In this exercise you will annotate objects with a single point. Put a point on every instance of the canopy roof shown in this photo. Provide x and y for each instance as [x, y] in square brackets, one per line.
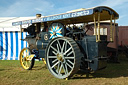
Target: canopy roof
[78, 16]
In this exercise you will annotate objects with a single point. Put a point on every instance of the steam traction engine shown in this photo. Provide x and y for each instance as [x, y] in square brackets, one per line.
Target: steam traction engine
[62, 41]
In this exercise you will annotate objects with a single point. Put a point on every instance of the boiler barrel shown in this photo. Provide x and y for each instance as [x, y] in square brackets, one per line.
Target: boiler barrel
[41, 45]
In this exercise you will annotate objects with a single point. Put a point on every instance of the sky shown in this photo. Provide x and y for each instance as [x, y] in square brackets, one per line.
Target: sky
[29, 8]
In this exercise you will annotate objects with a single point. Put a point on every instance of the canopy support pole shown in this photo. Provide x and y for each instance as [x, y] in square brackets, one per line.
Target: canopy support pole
[99, 26]
[95, 28]
[114, 29]
[111, 35]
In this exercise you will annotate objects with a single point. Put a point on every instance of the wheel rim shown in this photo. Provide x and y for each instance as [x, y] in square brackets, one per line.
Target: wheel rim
[61, 58]
[25, 58]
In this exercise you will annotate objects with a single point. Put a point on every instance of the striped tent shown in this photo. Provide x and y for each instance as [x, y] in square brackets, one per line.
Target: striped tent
[11, 44]
[10, 38]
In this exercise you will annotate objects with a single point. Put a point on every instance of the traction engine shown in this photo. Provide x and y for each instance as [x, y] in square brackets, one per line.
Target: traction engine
[63, 43]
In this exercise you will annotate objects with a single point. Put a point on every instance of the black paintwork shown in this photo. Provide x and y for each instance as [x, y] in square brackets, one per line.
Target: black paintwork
[95, 52]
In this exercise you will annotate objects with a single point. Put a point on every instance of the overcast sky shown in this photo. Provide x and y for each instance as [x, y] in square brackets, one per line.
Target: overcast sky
[28, 8]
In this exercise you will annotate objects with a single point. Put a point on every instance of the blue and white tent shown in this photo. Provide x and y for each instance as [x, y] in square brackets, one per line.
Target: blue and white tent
[11, 45]
[10, 38]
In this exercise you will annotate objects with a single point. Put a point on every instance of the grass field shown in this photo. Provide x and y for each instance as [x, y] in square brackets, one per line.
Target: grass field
[11, 73]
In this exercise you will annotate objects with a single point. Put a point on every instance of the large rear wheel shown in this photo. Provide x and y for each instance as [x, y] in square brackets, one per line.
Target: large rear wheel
[63, 57]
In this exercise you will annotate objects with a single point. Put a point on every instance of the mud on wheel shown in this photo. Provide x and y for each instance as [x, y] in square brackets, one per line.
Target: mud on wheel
[26, 59]
[63, 57]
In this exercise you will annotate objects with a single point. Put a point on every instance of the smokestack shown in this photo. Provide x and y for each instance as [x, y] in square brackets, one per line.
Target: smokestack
[38, 15]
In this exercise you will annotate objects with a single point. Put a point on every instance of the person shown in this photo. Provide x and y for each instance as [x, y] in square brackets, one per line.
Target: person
[31, 30]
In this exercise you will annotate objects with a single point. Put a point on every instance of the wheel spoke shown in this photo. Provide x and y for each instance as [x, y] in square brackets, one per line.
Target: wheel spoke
[69, 65]
[23, 60]
[59, 44]
[54, 48]
[22, 57]
[68, 50]
[58, 48]
[55, 64]
[60, 68]
[23, 63]
[26, 64]
[69, 57]
[62, 49]
[26, 52]
[54, 60]
[65, 47]
[70, 62]
[54, 53]
[70, 53]
[66, 69]
[22, 53]
[52, 56]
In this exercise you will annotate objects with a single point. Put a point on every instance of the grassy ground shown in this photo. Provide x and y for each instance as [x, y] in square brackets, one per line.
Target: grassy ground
[11, 73]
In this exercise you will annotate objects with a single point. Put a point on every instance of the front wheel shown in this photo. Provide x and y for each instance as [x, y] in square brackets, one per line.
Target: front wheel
[26, 59]
[63, 57]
